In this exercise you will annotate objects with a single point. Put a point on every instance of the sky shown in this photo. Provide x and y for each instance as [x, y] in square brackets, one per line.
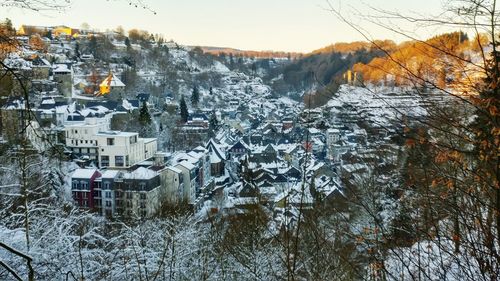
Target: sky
[279, 25]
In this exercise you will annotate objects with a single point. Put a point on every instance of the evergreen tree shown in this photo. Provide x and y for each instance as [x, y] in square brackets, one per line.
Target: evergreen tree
[195, 97]
[127, 43]
[213, 124]
[93, 46]
[211, 91]
[144, 116]
[77, 49]
[184, 110]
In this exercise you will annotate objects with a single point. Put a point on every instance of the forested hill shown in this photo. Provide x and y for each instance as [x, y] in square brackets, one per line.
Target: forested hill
[248, 53]
[317, 76]
[430, 60]
[321, 71]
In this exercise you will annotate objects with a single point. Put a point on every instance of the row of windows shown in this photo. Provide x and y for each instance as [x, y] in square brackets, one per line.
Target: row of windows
[80, 195]
[119, 161]
[118, 194]
[119, 203]
[75, 142]
[80, 185]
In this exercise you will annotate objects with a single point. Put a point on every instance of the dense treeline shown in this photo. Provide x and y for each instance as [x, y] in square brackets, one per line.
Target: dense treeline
[251, 54]
[432, 60]
[351, 47]
[320, 73]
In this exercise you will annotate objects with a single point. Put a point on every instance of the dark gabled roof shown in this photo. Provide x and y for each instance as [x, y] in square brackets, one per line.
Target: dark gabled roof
[294, 173]
[120, 108]
[134, 103]
[198, 116]
[249, 190]
[40, 62]
[280, 178]
[284, 141]
[111, 105]
[266, 183]
[269, 149]
[256, 139]
[93, 103]
[75, 117]
[143, 97]
[240, 145]
[264, 177]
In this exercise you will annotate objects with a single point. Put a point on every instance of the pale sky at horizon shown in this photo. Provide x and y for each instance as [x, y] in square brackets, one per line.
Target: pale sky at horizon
[280, 25]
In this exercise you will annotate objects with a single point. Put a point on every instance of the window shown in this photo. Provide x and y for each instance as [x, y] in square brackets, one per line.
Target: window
[108, 203]
[133, 139]
[108, 213]
[85, 195]
[86, 141]
[110, 141]
[129, 204]
[108, 194]
[85, 203]
[76, 131]
[119, 161]
[143, 196]
[129, 195]
[143, 205]
[105, 161]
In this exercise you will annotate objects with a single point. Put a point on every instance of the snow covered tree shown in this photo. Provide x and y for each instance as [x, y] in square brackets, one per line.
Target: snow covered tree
[195, 96]
[452, 174]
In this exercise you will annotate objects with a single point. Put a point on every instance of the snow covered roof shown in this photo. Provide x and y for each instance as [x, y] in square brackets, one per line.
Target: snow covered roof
[112, 81]
[110, 174]
[186, 165]
[83, 173]
[216, 154]
[140, 173]
[61, 68]
[174, 169]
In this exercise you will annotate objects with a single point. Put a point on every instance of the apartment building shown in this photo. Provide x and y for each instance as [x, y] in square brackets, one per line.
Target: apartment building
[93, 139]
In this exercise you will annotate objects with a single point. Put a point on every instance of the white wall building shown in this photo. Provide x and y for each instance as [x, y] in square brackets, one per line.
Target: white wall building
[115, 149]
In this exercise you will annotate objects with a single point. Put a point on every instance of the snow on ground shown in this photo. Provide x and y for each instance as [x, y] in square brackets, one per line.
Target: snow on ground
[379, 105]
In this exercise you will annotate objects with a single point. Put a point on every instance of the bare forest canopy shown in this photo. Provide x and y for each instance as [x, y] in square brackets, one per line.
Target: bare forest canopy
[248, 53]
[384, 62]
[350, 47]
[61, 5]
[434, 59]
